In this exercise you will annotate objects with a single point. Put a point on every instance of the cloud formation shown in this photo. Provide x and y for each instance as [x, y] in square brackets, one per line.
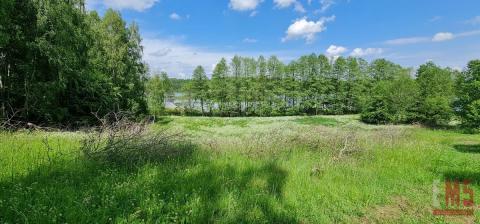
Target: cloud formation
[359, 52]
[326, 4]
[335, 51]
[298, 7]
[177, 59]
[175, 16]
[473, 21]
[408, 40]
[439, 37]
[284, 3]
[244, 5]
[305, 29]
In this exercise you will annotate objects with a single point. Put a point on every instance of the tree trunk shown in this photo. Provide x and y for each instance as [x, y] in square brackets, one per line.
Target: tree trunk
[27, 93]
[2, 92]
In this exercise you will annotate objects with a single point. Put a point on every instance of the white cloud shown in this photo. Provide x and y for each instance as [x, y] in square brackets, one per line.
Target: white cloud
[439, 37]
[244, 5]
[469, 33]
[473, 21]
[298, 7]
[359, 52]
[304, 29]
[178, 59]
[284, 3]
[326, 4]
[335, 51]
[250, 40]
[409, 40]
[138, 5]
[175, 16]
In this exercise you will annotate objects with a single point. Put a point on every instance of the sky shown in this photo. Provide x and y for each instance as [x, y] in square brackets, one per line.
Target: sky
[179, 35]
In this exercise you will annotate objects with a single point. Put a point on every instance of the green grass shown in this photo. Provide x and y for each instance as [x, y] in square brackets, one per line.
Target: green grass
[200, 123]
[317, 121]
[277, 170]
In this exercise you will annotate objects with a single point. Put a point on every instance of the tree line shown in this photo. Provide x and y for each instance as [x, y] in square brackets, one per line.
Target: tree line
[60, 63]
[381, 91]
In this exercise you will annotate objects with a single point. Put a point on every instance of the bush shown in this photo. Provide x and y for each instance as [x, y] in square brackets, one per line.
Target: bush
[123, 142]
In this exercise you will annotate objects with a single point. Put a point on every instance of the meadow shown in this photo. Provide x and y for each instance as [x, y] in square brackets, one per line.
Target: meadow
[318, 169]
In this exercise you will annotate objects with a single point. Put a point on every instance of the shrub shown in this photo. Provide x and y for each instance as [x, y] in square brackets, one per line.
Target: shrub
[123, 142]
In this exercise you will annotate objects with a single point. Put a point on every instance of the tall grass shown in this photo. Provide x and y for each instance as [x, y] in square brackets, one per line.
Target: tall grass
[266, 170]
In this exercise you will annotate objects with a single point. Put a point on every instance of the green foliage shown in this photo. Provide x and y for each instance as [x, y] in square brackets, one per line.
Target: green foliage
[200, 87]
[436, 94]
[382, 91]
[267, 87]
[157, 89]
[60, 64]
[468, 96]
[472, 115]
[219, 86]
[392, 101]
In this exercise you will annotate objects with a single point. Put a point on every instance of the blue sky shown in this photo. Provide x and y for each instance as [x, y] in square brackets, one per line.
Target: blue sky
[181, 34]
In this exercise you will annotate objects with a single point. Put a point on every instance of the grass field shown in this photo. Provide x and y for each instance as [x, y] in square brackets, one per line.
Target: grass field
[324, 169]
